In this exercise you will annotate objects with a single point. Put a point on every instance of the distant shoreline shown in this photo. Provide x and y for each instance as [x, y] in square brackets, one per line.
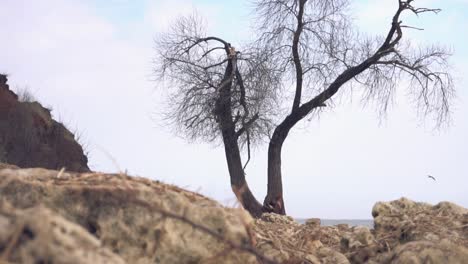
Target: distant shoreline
[351, 222]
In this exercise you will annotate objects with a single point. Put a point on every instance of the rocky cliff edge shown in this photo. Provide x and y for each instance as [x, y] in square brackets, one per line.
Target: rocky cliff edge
[30, 137]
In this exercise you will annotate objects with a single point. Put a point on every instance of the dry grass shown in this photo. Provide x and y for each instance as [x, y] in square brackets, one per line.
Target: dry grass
[25, 95]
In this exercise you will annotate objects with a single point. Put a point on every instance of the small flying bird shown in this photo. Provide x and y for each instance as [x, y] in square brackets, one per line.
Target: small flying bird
[431, 177]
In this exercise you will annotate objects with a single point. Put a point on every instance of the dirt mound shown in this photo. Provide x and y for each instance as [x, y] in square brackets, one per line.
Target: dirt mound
[29, 137]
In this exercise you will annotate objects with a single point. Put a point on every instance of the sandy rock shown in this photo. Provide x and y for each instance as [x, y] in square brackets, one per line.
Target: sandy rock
[143, 221]
[404, 221]
[421, 252]
[278, 219]
[313, 222]
[8, 166]
[286, 241]
[357, 237]
[358, 244]
[363, 235]
[37, 235]
[405, 232]
[134, 217]
[447, 208]
[411, 232]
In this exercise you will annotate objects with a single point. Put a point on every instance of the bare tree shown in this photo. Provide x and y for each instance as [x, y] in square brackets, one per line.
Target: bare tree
[320, 53]
[218, 93]
[221, 93]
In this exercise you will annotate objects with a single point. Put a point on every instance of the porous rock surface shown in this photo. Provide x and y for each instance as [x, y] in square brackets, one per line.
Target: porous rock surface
[404, 232]
[38, 235]
[411, 232]
[95, 217]
[132, 217]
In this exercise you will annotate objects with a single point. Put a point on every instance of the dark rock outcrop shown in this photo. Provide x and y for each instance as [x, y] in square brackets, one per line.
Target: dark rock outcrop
[29, 137]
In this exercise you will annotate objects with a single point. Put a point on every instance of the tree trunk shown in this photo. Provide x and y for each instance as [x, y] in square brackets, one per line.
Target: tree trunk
[223, 113]
[238, 183]
[274, 200]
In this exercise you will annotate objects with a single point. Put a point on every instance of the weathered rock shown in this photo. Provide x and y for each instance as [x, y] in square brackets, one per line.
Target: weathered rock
[143, 221]
[314, 222]
[140, 220]
[7, 97]
[404, 221]
[286, 241]
[37, 235]
[405, 232]
[7, 166]
[421, 252]
[29, 137]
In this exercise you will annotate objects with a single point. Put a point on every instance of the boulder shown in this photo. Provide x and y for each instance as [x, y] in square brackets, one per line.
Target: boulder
[286, 241]
[405, 232]
[96, 217]
[421, 252]
[140, 220]
[403, 220]
[38, 235]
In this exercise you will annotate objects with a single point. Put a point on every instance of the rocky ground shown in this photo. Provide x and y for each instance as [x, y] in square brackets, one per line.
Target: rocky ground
[49, 216]
[404, 232]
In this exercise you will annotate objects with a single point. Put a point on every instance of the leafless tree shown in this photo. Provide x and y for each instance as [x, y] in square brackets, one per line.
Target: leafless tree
[221, 93]
[218, 93]
[320, 53]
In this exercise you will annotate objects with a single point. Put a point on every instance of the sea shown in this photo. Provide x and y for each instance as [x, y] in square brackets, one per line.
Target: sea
[351, 222]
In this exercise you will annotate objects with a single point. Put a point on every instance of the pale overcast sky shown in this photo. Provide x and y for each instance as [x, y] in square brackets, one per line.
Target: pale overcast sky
[91, 62]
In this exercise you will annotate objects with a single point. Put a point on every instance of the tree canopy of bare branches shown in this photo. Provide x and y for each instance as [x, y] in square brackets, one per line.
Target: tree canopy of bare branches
[218, 93]
[194, 64]
[235, 94]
